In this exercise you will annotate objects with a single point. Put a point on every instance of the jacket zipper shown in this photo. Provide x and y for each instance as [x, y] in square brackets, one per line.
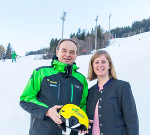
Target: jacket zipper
[32, 124]
[71, 92]
[58, 90]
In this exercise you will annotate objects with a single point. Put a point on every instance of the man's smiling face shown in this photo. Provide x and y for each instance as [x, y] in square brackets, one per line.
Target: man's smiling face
[67, 52]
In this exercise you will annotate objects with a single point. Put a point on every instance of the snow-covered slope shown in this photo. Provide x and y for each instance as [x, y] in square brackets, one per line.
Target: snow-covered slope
[131, 57]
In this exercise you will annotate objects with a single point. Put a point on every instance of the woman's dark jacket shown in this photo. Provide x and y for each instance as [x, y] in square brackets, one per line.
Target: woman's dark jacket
[116, 109]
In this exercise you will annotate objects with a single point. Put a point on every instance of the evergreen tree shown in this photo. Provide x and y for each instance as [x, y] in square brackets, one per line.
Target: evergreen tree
[92, 33]
[72, 35]
[147, 25]
[99, 37]
[82, 36]
[53, 45]
[9, 51]
[78, 35]
[88, 34]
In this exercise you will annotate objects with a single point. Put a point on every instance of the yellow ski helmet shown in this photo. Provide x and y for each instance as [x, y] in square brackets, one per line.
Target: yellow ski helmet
[77, 118]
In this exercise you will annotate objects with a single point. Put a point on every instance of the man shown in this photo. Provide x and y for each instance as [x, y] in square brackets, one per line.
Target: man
[84, 52]
[4, 56]
[14, 56]
[53, 86]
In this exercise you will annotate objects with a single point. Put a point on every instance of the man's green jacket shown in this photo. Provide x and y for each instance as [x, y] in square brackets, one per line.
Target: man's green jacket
[14, 55]
[58, 84]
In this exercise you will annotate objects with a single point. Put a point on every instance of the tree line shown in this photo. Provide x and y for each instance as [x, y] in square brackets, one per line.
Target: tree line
[136, 28]
[86, 39]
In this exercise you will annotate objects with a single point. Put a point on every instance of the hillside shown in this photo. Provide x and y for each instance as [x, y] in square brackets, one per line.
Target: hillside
[131, 57]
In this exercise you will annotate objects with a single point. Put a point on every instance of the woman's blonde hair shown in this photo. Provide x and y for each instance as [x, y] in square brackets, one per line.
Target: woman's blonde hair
[91, 73]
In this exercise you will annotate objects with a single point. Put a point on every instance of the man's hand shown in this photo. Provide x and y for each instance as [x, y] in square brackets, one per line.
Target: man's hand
[52, 113]
[89, 127]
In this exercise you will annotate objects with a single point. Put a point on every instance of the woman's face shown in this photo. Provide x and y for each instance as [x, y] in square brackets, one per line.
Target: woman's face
[101, 66]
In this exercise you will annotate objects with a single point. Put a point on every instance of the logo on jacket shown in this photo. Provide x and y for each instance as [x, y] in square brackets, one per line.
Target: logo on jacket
[78, 87]
[52, 83]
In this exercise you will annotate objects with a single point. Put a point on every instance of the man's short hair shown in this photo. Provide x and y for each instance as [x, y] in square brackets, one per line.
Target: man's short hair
[57, 48]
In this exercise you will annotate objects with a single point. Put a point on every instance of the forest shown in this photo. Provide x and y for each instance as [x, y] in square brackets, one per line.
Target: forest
[86, 39]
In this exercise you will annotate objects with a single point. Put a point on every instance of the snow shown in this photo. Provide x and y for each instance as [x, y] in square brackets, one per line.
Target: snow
[131, 58]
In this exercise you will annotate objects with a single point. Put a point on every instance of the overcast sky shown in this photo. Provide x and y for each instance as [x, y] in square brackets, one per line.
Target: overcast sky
[31, 24]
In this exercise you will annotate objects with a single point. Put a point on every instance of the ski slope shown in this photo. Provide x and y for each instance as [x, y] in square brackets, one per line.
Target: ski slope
[131, 57]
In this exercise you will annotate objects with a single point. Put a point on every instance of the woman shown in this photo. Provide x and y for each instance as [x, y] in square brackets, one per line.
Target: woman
[110, 104]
